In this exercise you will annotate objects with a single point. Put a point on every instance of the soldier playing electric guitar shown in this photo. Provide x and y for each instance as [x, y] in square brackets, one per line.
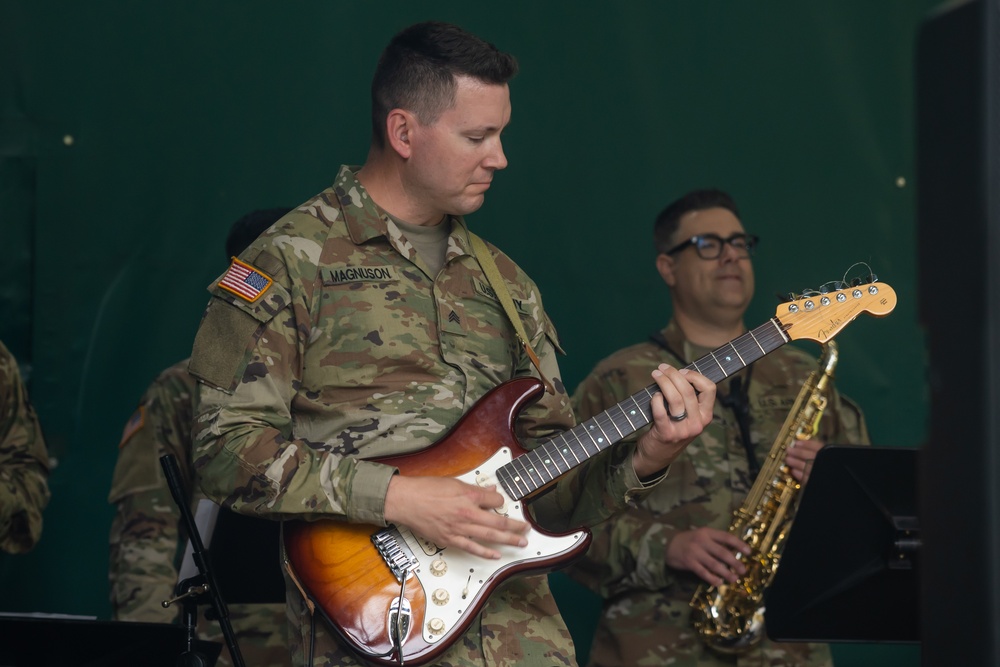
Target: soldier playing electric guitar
[364, 325]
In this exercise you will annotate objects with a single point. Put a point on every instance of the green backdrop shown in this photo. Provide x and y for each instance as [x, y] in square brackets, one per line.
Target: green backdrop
[133, 134]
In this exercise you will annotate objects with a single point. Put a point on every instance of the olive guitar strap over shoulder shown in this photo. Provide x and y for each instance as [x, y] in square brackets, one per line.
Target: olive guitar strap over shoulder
[482, 253]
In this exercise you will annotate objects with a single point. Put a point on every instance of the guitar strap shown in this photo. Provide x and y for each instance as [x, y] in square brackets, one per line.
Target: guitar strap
[482, 253]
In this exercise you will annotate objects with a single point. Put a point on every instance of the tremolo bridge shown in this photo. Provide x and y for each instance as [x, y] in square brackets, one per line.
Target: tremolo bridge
[394, 551]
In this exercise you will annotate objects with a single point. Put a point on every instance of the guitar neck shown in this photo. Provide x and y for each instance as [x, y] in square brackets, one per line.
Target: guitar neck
[554, 457]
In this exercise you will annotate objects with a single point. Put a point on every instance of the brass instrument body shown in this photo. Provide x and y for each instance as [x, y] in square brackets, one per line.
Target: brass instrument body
[729, 618]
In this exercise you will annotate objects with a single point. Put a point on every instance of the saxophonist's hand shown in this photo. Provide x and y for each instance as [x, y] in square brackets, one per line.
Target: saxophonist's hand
[799, 457]
[709, 553]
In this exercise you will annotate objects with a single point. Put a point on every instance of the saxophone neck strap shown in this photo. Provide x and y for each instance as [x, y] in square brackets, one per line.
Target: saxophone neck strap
[485, 258]
[736, 399]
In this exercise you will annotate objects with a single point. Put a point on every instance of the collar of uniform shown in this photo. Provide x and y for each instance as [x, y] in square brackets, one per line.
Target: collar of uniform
[458, 241]
[365, 220]
[676, 341]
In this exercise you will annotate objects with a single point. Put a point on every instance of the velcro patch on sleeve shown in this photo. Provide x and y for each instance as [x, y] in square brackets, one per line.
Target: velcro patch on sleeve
[133, 425]
[245, 281]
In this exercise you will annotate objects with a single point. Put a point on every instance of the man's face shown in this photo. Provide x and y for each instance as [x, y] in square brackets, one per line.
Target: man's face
[454, 158]
[706, 287]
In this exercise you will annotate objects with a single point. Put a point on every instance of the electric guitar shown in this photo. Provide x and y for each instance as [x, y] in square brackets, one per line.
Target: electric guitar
[394, 597]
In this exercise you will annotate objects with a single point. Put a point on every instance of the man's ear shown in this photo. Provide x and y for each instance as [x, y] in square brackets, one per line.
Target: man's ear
[398, 125]
[665, 267]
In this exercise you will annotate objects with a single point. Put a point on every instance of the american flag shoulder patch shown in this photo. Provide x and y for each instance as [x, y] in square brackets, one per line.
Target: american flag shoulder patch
[133, 425]
[245, 281]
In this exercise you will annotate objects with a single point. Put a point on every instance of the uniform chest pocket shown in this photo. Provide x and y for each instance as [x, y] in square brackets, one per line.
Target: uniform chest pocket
[366, 329]
[477, 335]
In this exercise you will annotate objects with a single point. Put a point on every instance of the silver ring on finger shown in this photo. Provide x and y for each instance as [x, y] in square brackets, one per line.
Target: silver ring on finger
[677, 418]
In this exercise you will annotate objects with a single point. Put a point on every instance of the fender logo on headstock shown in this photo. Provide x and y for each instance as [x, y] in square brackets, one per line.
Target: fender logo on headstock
[835, 326]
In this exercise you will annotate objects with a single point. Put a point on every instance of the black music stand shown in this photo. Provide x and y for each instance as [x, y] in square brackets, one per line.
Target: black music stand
[849, 569]
[200, 589]
[246, 555]
[29, 641]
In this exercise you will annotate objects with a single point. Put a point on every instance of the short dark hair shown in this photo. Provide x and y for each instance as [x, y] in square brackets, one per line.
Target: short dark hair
[245, 231]
[417, 71]
[669, 218]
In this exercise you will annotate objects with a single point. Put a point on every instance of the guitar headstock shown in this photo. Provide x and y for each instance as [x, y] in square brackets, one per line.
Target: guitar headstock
[821, 316]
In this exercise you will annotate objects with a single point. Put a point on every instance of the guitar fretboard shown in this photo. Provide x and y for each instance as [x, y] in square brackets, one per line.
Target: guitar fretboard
[533, 470]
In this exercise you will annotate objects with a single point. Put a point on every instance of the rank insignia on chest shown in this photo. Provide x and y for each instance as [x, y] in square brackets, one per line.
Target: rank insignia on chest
[245, 281]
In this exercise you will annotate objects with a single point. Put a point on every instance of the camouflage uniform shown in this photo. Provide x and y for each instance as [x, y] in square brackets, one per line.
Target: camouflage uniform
[355, 351]
[24, 463]
[645, 619]
[146, 543]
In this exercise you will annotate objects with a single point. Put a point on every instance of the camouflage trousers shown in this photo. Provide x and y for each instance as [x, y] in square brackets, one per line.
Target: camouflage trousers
[666, 639]
[260, 631]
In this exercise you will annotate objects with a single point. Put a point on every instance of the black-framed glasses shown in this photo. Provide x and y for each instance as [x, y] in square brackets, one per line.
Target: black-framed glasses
[709, 246]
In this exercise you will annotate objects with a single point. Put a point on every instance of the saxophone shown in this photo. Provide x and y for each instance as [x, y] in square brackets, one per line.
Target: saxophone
[729, 618]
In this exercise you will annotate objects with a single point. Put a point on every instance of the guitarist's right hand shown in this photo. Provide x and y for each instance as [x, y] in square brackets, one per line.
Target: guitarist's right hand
[451, 513]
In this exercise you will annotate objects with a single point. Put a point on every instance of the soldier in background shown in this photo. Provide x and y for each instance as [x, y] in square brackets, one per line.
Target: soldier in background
[24, 462]
[147, 540]
[648, 562]
[363, 324]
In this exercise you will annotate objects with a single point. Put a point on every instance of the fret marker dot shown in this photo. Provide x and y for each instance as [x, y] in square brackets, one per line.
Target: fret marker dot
[600, 440]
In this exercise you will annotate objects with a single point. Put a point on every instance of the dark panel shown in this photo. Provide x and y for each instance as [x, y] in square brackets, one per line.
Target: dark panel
[17, 213]
[958, 130]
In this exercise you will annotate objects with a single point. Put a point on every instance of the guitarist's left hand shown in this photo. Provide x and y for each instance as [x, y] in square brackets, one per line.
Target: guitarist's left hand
[683, 392]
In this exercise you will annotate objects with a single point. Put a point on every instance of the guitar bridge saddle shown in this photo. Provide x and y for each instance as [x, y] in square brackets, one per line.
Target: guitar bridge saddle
[394, 551]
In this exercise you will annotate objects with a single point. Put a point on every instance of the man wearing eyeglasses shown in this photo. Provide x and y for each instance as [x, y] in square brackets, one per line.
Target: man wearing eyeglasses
[647, 562]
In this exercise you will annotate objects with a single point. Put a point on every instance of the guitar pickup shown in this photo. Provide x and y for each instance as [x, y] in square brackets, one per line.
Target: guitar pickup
[428, 547]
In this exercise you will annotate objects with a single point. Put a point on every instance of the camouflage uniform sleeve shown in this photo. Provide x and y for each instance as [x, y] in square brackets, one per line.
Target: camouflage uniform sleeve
[24, 467]
[628, 551]
[589, 493]
[848, 422]
[145, 538]
[250, 358]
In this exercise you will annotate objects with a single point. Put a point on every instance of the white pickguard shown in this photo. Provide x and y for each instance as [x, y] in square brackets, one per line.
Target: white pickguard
[452, 579]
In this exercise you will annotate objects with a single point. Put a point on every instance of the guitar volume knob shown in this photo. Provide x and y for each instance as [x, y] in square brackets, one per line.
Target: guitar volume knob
[436, 626]
[438, 567]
